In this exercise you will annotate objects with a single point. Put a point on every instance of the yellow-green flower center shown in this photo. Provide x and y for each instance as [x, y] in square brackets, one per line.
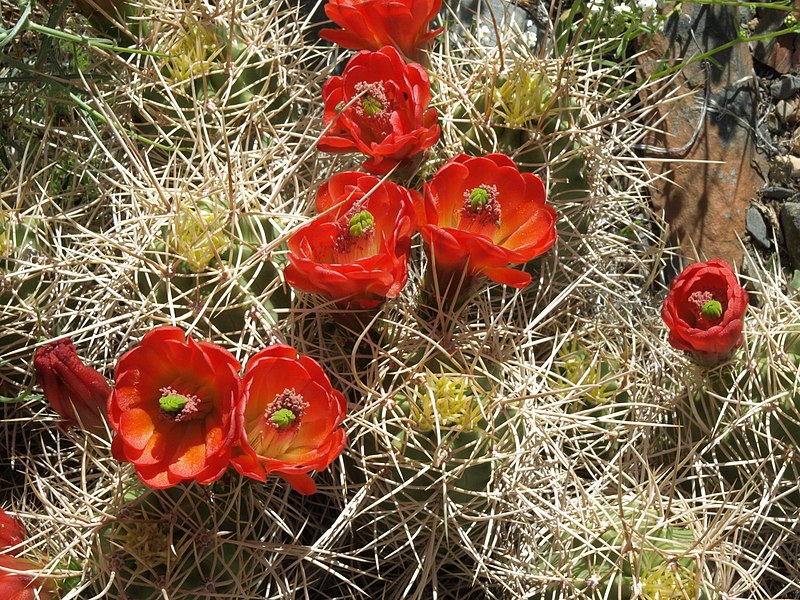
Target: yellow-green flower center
[712, 309]
[481, 204]
[478, 198]
[372, 106]
[286, 411]
[283, 418]
[172, 402]
[177, 407]
[361, 223]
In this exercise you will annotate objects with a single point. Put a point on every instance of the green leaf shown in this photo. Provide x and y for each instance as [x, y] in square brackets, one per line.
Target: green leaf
[21, 398]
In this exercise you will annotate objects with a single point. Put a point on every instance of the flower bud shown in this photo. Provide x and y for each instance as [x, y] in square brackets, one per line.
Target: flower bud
[75, 391]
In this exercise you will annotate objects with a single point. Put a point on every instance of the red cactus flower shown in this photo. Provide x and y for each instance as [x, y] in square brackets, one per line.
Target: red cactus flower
[356, 251]
[481, 214]
[379, 107]
[704, 311]
[11, 532]
[291, 418]
[75, 391]
[18, 580]
[175, 408]
[372, 24]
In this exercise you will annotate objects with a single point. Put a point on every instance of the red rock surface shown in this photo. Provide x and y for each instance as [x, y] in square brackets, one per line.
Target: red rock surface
[704, 192]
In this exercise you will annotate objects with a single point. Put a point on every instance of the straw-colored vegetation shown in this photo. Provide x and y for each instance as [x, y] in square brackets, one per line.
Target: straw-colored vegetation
[543, 443]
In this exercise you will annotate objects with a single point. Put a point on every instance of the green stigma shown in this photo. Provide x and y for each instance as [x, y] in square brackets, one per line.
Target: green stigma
[712, 309]
[478, 198]
[361, 222]
[283, 418]
[172, 402]
[372, 106]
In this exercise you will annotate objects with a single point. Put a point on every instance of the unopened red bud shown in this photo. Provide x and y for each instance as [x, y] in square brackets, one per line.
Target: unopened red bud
[75, 391]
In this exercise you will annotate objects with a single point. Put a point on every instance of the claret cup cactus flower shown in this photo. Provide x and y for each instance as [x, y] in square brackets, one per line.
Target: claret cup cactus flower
[372, 24]
[356, 250]
[704, 311]
[76, 391]
[480, 214]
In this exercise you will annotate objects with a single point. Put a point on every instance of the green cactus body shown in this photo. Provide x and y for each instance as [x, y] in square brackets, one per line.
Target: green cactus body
[202, 245]
[207, 66]
[441, 437]
[746, 443]
[25, 286]
[256, 76]
[158, 540]
[623, 557]
[601, 396]
[531, 124]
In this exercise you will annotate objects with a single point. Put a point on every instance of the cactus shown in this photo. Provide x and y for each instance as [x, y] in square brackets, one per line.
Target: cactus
[526, 118]
[624, 558]
[208, 70]
[750, 444]
[203, 248]
[440, 437]
[24, 290]
[592, 384]
[173, 540]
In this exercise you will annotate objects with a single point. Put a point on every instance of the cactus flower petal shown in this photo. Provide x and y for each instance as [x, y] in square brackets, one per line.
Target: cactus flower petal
[175, 408]
[480, 214]
[278, 381]
[11, 532]
[704, 311]
[75, 391]
[18, 580]
[372, 24]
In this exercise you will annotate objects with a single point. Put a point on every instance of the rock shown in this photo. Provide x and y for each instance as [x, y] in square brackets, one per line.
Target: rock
[480, 17]
[780, 169]
[786, 87]
[705, 197]
[776, 192]
[757, 228]
[788, 111]
[781, 53]
[794, 161]
[794, 143]
[790, 223]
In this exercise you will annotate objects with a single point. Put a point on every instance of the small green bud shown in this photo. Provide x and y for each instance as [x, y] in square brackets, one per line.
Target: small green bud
[283, 418]
[712, 309]
[478, 198]
[372, 106]
[172, 402]
[360, 223]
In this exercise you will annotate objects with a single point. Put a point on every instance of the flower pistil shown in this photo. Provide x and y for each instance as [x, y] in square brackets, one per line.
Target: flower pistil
[481, 204]
[286, 410]
[178, 407]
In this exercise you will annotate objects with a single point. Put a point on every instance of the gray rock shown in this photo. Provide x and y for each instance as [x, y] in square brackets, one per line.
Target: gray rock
[757, 228]
[776, 192]
[790, 223]
[795, 162]
[788, 111]
[785, 87]
[794, 143]
[780, 170]
[479, 17]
